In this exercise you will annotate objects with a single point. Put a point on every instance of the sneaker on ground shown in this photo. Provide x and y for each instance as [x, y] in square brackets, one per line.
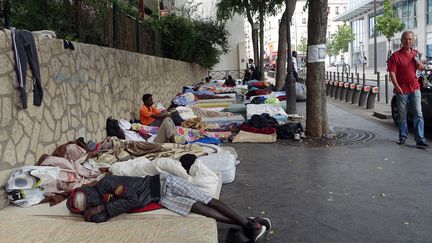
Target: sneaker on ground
[422, 143]
[262, 221]
[254, 231]
[401, 141]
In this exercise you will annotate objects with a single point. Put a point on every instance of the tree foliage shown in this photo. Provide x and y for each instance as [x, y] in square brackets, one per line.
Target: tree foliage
[81, 20]
[255, 11]
[302, 47]
[388, 24]
[339, 41]
[196, 41]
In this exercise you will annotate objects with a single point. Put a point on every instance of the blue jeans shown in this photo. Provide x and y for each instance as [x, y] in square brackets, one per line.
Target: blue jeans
[413, 99]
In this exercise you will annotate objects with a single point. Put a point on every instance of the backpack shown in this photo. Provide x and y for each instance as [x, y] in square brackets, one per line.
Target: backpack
[288, 131]
[113, 128]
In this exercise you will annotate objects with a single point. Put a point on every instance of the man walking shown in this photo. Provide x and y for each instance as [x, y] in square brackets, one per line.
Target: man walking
[402, 66]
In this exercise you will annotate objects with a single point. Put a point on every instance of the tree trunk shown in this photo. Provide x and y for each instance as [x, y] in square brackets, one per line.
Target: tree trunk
[261, 41]
[281, 60]
[316, 106]
[290, 79]
[254, 31]
[255, 46]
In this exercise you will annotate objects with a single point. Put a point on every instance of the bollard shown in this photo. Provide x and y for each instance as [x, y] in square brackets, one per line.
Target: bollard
[350, 92]
[339, 90]
[333, 89]
[363, 95]
[352, 77]
[364, 79]
[334, 76]
[358, 78]
[378, 86]
[356, 94]
[327, 82]
[338, 76]
[344, 91]
[370, 104]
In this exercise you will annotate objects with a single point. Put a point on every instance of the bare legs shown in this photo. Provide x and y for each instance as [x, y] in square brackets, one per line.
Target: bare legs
[220, 211]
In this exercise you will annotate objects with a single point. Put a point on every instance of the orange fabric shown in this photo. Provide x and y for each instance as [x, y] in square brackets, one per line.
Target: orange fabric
[145, 114]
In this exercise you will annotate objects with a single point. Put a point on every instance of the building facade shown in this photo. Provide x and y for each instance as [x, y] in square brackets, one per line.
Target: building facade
[415, 14]
[299, 29]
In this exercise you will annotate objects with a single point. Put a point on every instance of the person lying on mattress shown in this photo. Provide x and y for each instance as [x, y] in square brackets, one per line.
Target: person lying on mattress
[114, 195]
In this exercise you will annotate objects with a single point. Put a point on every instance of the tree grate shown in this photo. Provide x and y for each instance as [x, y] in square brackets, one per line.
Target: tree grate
[338, 136]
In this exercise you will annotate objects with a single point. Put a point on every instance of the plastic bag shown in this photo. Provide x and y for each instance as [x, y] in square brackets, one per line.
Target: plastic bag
[28, 185]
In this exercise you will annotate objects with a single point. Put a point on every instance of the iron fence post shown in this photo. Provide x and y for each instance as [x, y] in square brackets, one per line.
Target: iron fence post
[358, 78]
[115, 26]
[364, 79]
[352, 77]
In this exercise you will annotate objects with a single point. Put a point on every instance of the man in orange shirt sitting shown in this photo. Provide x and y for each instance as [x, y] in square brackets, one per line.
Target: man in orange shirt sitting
[152, 116]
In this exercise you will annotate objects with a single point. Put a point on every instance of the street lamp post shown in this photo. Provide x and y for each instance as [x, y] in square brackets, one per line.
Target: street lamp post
[375, 40]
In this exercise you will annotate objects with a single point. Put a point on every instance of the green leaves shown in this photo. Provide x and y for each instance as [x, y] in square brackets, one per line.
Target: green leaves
[302, 47]
[196, 41]
[388, 23]
[339, 41]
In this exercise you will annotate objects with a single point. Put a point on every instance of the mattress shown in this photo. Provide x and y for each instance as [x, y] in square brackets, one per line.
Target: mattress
[237, 119]
[222, 100]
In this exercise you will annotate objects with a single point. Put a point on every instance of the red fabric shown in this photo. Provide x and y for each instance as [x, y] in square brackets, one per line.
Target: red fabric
[282, 97]
[148, 207]
[404, 66]
[260, 85]
[264, 130]
[258, 92]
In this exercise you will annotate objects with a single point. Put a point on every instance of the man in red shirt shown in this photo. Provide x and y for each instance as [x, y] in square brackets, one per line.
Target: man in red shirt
[402, 66]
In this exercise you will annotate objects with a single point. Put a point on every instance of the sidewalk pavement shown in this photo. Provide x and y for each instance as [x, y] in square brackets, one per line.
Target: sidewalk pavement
[382, 109]
[371, 192]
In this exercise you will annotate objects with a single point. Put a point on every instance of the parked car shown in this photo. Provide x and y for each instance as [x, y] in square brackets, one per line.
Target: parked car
[426, 102]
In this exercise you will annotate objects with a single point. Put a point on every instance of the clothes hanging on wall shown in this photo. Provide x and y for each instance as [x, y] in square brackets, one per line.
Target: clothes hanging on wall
[24, 49]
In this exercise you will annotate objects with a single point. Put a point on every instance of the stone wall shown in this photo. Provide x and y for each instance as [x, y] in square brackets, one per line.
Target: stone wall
[81, 89]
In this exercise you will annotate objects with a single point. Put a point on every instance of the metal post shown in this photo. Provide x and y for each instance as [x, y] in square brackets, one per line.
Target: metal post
[379, 86]
[352, 77]
[386, 88]
[115, 26]
[137, 36]
[342, 74]
[364, 79]
[337, 76]
[358, 78]
[347, 77]
[375, 43]
[7, 13]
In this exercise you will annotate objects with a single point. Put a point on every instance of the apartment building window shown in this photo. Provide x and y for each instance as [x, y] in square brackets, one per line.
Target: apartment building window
[429, 12]
[303, 20]
[407, 12]
[372, 25]
[357, 27]
[337, 10]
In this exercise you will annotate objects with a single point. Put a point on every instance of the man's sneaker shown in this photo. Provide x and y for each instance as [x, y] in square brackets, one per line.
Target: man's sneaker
[401, 141]
[262, 221]
[422, 144]
[254, 231]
